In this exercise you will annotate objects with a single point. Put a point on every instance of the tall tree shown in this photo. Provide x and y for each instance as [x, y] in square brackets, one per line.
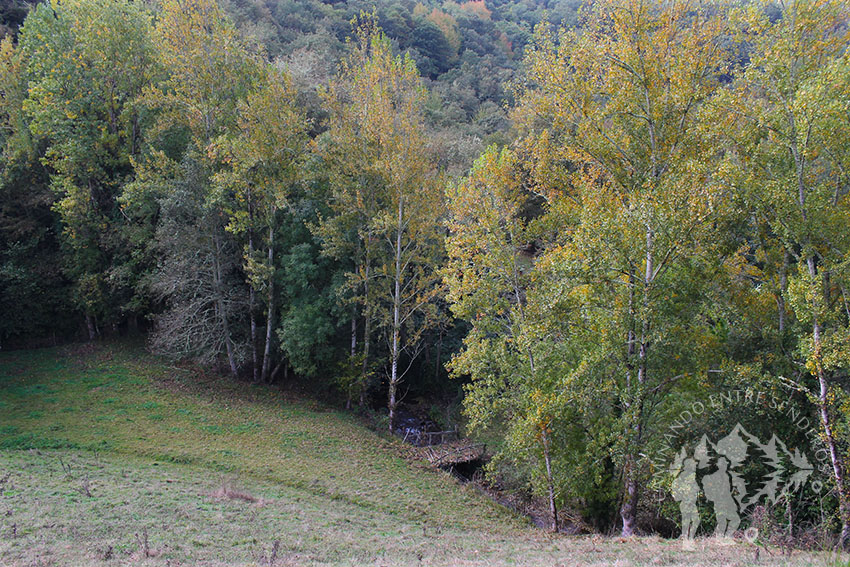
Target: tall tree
[34, 292]
[785, 120]
[86, 62]
[616, 154]
[517, 353]
[391, 183]
[260, 172]
[210, 73]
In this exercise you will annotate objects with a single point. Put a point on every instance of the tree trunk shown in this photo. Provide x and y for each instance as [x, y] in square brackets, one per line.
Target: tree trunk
[629, 509]
[367, 331]
[628, 512]
[394, 377]
[231, 359]
[550, 481]
[353, 350]
[276, 370]
[353, 354]
[271, 307]
[826, 420]
[221, 308]
[255, 371]
[91, 327]
[255, 364]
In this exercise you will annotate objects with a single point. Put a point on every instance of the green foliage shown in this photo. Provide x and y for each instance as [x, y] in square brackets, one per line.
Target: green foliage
[787, 162]
[386, 198]
[85, 63]
[310, 318]
[34, 293]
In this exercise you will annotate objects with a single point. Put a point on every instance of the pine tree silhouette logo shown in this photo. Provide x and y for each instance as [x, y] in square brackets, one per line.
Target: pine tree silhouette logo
[715, 470]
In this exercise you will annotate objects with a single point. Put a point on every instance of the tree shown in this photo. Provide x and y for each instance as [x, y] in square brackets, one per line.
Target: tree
[34, 292]
[612, 146]
[210, 74]
[198, 277]
[348, 232]
[86, 62]
[261, 168]
[517, 351]
[386, 195]
[785, 121]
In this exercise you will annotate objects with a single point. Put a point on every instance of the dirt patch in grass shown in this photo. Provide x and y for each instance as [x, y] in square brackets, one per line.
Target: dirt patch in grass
[227, 490]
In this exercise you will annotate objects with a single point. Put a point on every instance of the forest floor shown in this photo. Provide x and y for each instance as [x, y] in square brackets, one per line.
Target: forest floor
[110, 456]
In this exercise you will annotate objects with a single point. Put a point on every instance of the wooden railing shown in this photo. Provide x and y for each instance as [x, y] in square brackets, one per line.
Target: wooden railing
[421, 438]
[455, 455]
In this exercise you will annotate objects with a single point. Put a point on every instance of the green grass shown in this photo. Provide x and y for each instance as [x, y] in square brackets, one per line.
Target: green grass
[215, 472]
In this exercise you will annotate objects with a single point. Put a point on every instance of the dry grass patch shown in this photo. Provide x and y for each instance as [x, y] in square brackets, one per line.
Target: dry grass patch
[226, 490]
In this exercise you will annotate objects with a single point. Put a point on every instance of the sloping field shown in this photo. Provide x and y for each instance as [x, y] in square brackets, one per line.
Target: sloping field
[110, 456]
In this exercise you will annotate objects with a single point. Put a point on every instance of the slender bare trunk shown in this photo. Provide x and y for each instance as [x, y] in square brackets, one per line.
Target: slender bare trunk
[392, 403]
[251, 295]
[364, 367]
[353, 354]
[835, 456]
[231, 360]
[221, 308]
[91, 326]
[367, 329]
[255, 371]
[644, 333]
[271, 307]
[255, 364]
[276, 370]
[628, 512]
[394, 377]
[629, 508]
[353, 350]
[631, 337]
[550, 481]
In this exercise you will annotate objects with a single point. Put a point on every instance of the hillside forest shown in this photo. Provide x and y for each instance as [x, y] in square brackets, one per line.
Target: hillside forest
[560, 226]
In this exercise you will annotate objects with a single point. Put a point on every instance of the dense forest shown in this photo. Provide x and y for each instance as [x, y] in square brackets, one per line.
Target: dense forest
[579, 222]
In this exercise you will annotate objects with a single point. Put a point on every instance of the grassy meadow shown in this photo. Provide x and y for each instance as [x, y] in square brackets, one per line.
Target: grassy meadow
[110, 456]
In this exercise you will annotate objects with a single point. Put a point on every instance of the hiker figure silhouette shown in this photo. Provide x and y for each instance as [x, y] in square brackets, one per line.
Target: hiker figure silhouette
[685, 491]
[718, 490]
